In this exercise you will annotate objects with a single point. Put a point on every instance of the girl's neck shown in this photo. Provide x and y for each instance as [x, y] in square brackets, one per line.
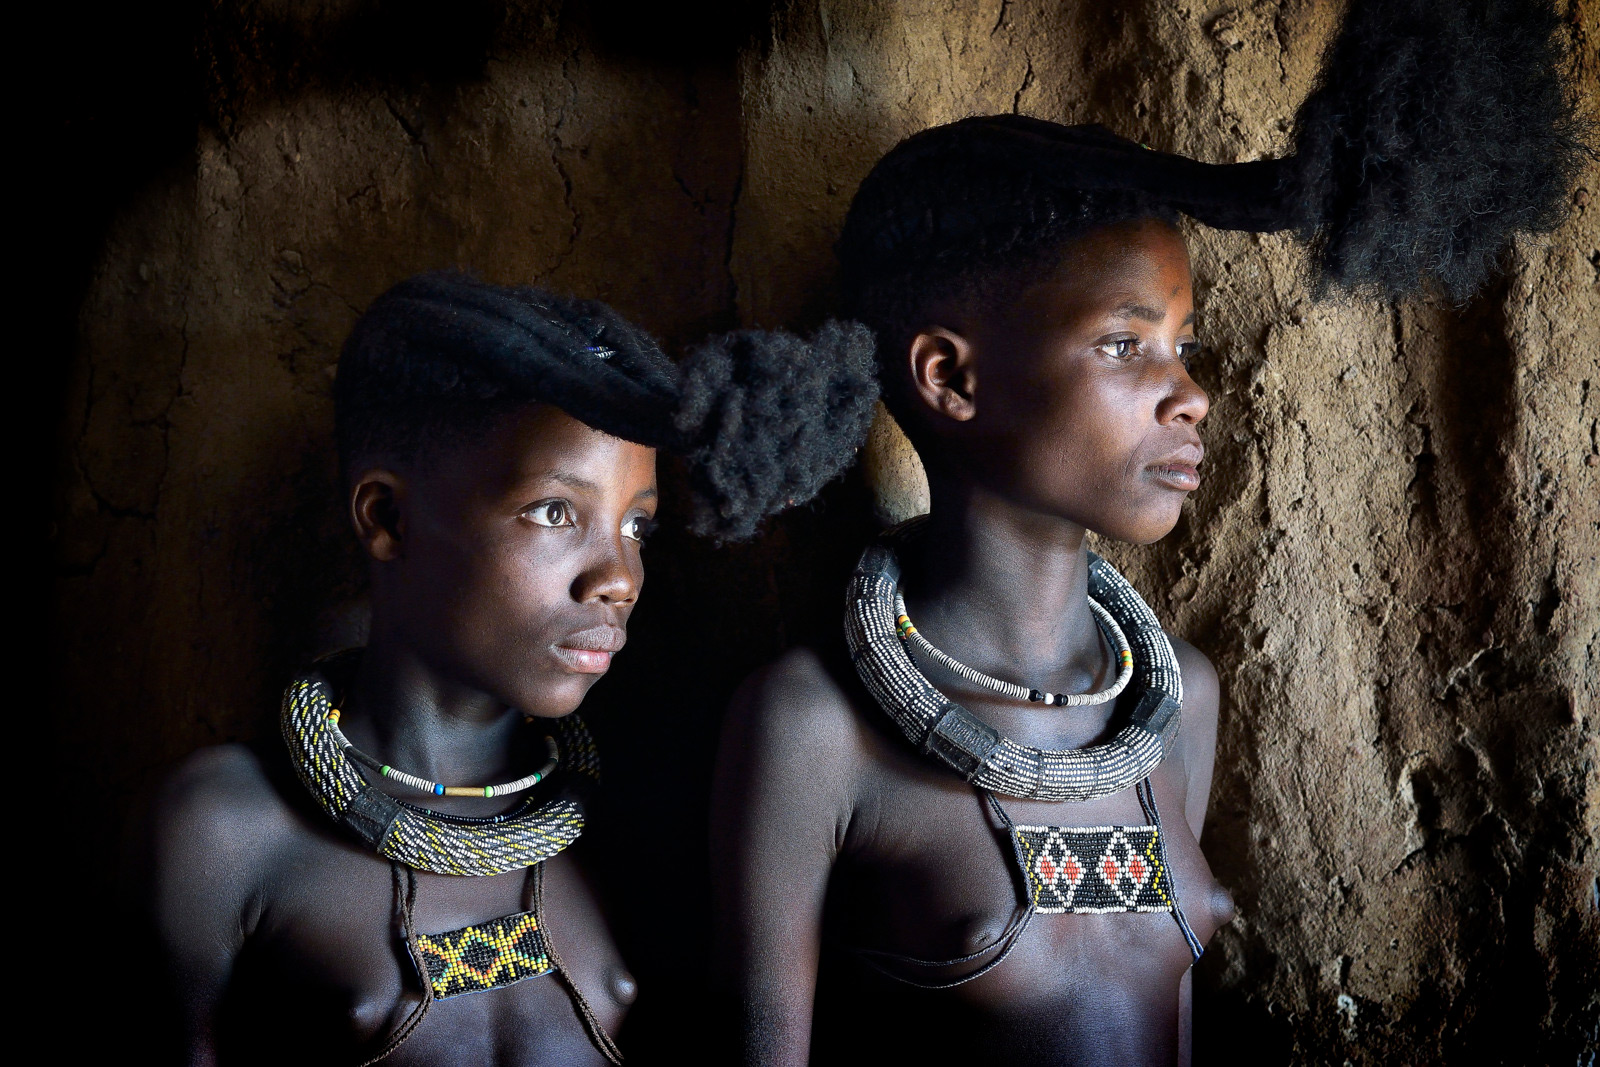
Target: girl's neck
[407, 713]
[1002, 588]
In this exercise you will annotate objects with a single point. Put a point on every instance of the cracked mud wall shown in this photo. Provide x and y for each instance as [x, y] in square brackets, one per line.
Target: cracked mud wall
[1393, 561]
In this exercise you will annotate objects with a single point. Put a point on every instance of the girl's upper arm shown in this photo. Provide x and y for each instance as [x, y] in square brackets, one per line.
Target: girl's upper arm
[1201, 693]
[785, 779]
[204, 846]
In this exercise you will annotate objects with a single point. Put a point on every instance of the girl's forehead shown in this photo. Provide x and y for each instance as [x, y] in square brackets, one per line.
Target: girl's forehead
[543, 446]
[1126, 246]
[1132, 273]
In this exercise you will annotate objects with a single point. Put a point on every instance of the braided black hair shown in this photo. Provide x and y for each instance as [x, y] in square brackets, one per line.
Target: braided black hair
[966, 212]
[1437, 132]
[764, 419]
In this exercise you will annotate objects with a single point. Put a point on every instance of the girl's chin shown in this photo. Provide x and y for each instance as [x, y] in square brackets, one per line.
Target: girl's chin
[549, 713]
[558, 697]
[1148, 531]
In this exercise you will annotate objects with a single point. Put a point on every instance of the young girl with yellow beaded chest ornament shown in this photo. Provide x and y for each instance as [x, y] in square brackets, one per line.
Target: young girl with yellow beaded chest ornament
[401, 878]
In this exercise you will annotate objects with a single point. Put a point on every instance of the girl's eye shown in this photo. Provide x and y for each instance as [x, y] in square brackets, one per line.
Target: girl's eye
[551, 513]
[637, 528]
[1123, 349]
[1189, 352]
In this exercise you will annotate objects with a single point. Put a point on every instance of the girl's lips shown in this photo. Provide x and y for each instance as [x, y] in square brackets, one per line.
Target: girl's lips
[1180, 476]
[583, 660]
[590, 651]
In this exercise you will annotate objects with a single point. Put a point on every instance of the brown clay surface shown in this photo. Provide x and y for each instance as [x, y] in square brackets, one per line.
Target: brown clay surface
[1393, 561]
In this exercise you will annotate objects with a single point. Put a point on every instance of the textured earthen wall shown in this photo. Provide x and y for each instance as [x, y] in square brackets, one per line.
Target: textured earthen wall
[1393, 561]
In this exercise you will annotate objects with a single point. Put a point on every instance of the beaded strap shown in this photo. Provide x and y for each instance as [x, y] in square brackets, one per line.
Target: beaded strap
[975, 750]
[428, 841]
[439, 789]
[1108, 625]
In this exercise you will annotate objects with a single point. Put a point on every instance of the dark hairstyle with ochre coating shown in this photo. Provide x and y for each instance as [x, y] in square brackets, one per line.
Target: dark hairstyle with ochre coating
[764, 420]
[1439, 130]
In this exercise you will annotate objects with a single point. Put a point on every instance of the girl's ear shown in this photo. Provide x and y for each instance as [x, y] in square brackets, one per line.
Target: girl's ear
[944, 372]
[377, 511]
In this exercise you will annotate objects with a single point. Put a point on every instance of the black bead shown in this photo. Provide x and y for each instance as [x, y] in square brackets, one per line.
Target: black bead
[1035, 696]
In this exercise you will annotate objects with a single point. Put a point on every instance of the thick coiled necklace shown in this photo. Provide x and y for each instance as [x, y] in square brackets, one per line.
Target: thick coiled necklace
[977, 751]
[416, 837]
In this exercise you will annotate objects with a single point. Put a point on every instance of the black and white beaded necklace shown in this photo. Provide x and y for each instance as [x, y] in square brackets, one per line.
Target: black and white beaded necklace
[983, 756]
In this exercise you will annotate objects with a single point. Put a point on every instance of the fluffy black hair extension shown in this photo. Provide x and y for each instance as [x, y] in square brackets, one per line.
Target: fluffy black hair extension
[770, 418]
[1438, 131]
[764, 420]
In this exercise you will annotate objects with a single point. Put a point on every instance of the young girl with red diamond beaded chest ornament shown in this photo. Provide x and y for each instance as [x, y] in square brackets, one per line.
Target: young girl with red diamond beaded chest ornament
[969, 830]
[401, 877]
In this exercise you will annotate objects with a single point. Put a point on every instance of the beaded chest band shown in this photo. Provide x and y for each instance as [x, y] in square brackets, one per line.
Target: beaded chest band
[1083, 870]
[488, 955]
[1093, 870]
[940, 727]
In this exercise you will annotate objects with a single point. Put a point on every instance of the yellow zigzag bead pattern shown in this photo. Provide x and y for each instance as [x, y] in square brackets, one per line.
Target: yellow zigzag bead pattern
[484, 956]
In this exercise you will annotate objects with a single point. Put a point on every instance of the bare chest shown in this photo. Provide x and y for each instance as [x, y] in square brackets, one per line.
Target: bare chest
[933, 884]
[327, 971]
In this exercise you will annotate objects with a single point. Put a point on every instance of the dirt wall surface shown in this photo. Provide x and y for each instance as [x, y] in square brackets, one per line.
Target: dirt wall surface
[1394, 561]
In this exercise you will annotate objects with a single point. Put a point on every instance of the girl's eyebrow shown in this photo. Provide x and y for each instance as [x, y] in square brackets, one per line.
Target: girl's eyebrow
[574, 481]
[1131, 310]
[578, 481]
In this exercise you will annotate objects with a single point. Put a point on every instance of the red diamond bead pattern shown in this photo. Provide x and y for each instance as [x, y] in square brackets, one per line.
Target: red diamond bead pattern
[1094, 870]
